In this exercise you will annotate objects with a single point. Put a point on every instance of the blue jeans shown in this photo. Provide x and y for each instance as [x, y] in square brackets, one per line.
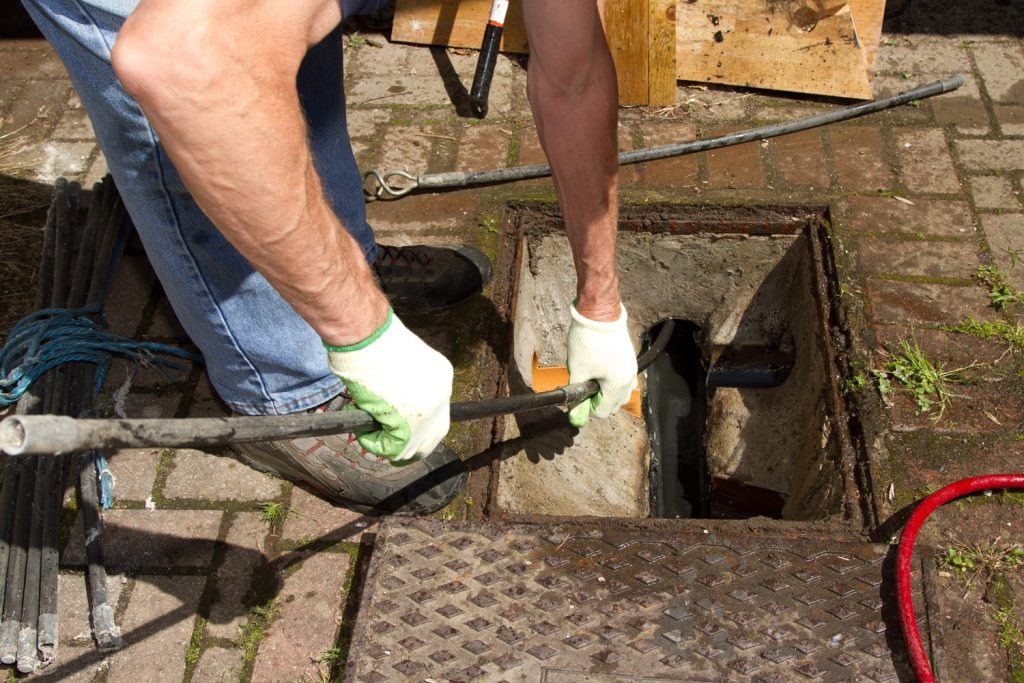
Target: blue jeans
[261, 357]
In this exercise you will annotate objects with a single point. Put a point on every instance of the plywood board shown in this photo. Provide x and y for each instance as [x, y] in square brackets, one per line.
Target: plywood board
[661, 51]
[772, 44]
[867, 17]
[625, 25]
[455, 23]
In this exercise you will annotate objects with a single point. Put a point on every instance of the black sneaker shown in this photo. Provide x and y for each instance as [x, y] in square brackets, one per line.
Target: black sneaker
[423, 279]
[338, 469]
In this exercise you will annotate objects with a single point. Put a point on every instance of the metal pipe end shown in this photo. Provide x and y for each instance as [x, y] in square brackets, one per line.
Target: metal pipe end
[12, 435]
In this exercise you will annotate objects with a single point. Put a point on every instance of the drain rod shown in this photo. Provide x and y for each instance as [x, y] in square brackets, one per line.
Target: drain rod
[43, 434]
[395, 184]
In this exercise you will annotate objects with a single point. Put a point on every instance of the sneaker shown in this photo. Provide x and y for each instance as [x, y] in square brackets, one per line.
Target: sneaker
[338, 469]
[422, 279]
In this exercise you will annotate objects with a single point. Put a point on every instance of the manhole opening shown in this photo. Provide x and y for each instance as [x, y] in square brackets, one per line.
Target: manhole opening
[741, 416]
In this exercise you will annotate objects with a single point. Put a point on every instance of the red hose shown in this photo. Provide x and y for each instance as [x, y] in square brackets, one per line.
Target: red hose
[918, 658]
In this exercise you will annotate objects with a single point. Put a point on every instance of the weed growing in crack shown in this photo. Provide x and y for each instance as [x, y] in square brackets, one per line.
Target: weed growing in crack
[273, 512]
[970, 560]
[1000, 292]
[926, 382]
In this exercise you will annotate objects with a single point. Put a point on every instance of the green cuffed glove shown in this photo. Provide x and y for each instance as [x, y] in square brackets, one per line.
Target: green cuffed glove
[602, 351]
[403, 383]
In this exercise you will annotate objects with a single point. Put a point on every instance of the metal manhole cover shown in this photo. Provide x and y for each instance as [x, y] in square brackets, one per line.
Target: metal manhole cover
[486, 602]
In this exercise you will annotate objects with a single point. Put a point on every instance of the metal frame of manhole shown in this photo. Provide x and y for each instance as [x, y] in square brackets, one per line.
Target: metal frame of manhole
[857, 513]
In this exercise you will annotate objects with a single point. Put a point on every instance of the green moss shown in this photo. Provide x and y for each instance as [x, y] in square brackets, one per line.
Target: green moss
[1011, 639]
[255, 630]
[1012, 335]
[195, 647]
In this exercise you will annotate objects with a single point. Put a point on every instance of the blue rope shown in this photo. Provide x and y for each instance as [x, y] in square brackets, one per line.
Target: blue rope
[50, 337]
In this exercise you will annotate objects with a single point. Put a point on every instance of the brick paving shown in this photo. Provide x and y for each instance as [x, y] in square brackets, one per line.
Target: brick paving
[215, 587]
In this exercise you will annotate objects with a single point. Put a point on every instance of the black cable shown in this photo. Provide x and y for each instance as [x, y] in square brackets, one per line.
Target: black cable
[54, 434]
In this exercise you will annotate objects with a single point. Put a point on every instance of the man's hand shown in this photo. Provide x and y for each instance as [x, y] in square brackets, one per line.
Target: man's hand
[602, 351]
[403, 383]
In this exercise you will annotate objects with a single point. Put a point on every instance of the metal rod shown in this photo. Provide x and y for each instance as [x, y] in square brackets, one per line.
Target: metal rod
[436, 181]
[10, 627]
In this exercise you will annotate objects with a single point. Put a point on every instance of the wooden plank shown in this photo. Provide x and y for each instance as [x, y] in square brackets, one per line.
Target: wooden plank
[455, 23]
[867, 18]
[625, 25]
[661, 53]
[771, 44]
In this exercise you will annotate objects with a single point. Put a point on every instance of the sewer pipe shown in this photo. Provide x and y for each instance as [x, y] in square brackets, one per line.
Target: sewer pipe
[396, 184]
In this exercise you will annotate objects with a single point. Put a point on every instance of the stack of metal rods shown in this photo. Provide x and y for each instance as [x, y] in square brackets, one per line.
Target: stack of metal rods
[31, 497]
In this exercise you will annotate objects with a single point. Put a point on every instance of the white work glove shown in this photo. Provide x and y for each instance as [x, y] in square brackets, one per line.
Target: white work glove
[602, 351]
[403, 383]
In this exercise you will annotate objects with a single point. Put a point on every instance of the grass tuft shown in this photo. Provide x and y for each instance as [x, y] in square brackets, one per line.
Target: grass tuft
[926, 382]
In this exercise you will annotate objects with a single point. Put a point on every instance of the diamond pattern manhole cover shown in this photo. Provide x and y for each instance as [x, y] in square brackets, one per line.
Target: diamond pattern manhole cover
[556, 604]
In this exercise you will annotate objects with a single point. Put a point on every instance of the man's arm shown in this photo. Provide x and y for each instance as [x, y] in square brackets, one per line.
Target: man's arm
[573, 93]
[574, 97]
[216, 79]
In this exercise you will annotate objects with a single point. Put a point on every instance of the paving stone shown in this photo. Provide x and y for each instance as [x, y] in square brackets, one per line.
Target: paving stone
[74, 124]
[31, 61]
[422, 217]
[968, 115]
[205, 402]
[860, 159]
[219, 665]
[483, 147]
[311, 604]
[395, 90]
[407, 148]
[384, 60]
[38, 106]
[151, 538]
[935, 217]
[903, 302]
[991, 155]
[921, 55]
[1010, 118]
[47, 161]
[530, 150]
[365, 122]
[132, 289]
[243, 559]
[994, 192]
[134, 471]
[311, 518]
[925, 162]
[918, 257]
[736, 167]
[97, 170]
[163, 404]
[1002, 67]
[165, 324]
[1005, 236]
[201, 476]
[800, 160]
[678, 172]
[157, 628]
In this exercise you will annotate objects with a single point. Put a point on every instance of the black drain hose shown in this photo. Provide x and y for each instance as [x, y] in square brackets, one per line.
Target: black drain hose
[44, 434]
[386, 188]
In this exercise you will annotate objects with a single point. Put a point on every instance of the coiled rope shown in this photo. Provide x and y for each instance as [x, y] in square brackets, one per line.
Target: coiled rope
[50, 337]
